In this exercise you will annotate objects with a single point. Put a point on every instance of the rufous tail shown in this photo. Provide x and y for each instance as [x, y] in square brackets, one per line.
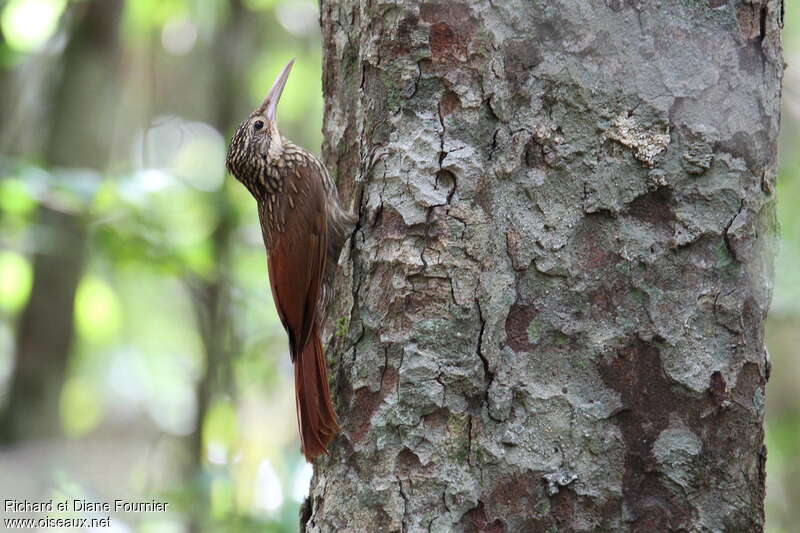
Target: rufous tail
[315, 414]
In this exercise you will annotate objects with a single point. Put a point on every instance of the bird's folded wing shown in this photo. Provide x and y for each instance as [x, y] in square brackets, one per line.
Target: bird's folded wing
[296, 262]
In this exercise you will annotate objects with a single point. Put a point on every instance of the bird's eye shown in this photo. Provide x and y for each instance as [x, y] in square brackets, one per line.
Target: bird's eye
[258, 124]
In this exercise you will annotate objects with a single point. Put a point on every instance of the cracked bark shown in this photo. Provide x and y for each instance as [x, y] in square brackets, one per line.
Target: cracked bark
[556, 289]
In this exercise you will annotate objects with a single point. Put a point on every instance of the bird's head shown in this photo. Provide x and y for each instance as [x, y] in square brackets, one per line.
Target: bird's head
[257, 143]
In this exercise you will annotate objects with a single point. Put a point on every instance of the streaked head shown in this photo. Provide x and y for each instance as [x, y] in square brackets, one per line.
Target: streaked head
[257, 142]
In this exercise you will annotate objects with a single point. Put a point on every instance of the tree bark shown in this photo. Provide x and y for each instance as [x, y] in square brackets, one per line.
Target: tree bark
[557, 286]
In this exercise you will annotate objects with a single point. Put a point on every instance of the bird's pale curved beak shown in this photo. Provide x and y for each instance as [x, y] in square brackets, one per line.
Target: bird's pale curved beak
[270, 103]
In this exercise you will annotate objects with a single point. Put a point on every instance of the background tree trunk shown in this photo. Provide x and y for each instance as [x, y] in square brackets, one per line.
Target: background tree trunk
[211, 297]
[79, 127]
[562, 264]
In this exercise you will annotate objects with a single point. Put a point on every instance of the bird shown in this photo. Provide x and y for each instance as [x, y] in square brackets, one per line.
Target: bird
[304, 227]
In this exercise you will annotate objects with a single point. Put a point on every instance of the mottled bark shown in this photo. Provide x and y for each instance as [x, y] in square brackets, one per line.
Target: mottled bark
[555, 295]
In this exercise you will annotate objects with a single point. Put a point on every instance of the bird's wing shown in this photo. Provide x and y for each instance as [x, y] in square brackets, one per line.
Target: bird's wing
[297, 260]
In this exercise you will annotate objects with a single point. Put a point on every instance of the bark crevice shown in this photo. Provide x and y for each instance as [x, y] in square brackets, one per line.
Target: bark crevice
[556, 319]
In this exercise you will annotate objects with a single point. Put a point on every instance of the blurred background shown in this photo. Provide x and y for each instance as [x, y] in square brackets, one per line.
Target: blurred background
[140, 354]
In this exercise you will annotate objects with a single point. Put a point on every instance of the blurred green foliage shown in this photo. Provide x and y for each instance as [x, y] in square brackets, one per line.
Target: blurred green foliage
[168, 230]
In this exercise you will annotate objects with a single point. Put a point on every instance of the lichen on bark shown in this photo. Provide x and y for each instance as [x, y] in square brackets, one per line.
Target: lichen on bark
[556, 289]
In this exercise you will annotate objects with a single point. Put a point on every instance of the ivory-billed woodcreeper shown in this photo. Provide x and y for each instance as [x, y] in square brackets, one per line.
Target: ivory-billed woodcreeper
[304, 228]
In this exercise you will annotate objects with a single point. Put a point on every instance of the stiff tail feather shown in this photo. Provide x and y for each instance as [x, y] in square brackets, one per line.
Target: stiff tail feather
[315, 414]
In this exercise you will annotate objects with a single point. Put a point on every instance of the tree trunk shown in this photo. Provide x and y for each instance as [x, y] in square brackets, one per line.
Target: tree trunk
[557, 286]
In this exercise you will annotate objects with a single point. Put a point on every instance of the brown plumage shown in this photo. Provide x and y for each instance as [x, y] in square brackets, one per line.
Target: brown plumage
[304, 228]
